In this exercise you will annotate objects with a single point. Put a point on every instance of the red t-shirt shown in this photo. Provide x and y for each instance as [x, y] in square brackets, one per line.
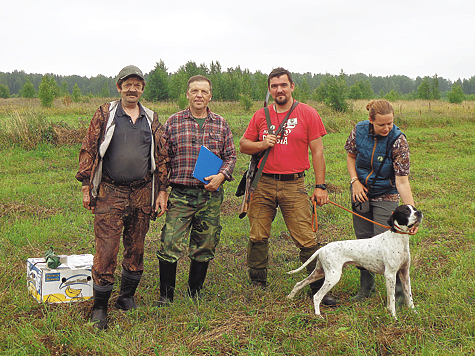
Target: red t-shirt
[290, 154]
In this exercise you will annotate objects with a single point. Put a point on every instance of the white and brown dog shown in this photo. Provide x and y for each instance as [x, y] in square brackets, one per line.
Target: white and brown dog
[387, 254]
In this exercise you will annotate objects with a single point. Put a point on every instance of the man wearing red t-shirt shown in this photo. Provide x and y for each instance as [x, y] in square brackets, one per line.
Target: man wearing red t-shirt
[282, 183]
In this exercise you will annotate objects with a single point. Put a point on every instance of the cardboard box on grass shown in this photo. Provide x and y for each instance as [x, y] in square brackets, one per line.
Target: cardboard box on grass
[69, 282]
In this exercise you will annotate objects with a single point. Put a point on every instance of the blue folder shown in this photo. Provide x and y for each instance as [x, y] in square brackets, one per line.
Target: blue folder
[207, 164]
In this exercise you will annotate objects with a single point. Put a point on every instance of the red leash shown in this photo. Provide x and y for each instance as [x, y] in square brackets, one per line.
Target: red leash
[315, 220]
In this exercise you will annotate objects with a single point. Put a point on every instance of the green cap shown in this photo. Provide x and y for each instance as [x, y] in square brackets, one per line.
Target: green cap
[128, 71]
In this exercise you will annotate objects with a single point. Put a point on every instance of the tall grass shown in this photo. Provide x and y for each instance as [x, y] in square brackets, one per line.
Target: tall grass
[40, 206]
[27, 127]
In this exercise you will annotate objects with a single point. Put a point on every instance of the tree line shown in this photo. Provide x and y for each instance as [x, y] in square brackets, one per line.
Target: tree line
[236, 84]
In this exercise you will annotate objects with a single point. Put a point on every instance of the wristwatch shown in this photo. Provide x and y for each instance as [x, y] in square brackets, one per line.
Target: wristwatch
[321, 186]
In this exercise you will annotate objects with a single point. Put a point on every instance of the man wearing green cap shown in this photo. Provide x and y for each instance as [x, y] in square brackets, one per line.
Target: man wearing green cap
[122, 167]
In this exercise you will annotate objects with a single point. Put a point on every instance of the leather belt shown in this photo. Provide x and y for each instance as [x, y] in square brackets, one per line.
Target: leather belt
[134, 184]
[285, 177]
[183, 186]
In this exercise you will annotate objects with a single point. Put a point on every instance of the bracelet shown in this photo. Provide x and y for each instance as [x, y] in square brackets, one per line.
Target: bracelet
[353, 180]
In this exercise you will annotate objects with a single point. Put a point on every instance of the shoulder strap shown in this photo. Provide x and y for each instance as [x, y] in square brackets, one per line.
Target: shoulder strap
[282, 124]
[269, 124]
[279, 131]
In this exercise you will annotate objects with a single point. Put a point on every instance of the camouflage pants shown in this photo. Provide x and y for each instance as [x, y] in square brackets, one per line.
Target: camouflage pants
[120, 211]
[195, 211]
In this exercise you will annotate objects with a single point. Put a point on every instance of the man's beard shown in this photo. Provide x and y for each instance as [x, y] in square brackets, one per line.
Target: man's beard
[282, 101]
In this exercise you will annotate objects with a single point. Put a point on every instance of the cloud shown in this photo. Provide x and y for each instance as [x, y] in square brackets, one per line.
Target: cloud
[413, 38]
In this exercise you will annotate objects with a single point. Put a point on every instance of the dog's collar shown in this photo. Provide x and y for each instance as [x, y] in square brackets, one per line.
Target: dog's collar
[399, 230]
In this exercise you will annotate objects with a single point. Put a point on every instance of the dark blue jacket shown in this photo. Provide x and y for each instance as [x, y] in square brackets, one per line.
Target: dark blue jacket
[371, 152]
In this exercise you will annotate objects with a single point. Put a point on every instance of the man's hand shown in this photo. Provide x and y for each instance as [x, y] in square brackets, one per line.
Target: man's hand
[320, 196]
[214, 182]
[161, 203]
[269, 141]
[86, 198]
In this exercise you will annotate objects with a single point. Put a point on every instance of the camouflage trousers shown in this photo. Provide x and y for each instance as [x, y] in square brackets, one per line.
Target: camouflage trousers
[120, 211]
[193, 211]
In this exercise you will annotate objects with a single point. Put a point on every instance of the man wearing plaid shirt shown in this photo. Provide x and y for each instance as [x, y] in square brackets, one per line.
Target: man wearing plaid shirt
[193, 207]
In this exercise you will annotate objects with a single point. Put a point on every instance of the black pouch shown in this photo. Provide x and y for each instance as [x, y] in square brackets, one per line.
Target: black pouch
[241, 189]
[357, 206]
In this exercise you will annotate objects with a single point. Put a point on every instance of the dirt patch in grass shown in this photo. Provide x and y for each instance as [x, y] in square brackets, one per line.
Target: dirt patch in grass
[231, 206]
[19, 210]
[387, 336]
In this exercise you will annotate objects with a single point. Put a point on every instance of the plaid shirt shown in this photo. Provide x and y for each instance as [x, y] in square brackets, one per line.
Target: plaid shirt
[184, 138]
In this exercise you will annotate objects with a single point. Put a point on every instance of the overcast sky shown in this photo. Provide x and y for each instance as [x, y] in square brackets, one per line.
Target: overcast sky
[87, 38]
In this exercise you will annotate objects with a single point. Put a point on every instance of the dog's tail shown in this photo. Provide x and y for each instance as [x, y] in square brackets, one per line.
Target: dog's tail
[314, 256]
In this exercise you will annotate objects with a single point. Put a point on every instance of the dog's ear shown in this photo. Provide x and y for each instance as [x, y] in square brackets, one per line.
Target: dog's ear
[391, 221]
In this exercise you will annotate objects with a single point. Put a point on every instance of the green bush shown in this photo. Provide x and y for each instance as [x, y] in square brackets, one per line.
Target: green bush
[45, 92]
[393, 95]
[361, 90]
[157, 84]
[336, 93]
[28, 90]
[245, 101]
[456, 95]
[105, 91]
[76, 93]
[333, 92]
[4, 91]
[182, 102]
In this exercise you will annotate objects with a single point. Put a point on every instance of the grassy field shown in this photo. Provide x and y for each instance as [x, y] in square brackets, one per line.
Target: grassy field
[40, 206]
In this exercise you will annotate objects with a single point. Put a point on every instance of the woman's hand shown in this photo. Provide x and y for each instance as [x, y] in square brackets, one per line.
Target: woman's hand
[359, 192]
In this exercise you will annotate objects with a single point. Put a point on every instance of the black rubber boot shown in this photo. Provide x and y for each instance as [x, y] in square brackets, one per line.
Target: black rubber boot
[99, 308]
[366, 286]
[400, 299]
[167, 282]
[196, 277]
[257, 261]
[128, 286]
